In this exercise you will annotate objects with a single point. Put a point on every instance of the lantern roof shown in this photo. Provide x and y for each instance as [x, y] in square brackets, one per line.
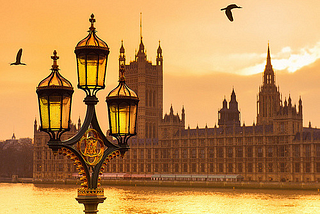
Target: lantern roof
[92, 40]
[55, 79]
[123, 91]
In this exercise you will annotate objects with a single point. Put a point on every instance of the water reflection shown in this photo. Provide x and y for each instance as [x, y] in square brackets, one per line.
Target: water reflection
[38, 199]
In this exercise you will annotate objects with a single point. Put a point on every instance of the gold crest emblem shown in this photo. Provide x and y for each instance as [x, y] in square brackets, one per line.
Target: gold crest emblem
[91, 147]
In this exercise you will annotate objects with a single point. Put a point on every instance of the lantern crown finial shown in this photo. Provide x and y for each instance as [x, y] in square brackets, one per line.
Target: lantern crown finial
[92, 20]
[55, 79]
[92, 40]
[55, 65]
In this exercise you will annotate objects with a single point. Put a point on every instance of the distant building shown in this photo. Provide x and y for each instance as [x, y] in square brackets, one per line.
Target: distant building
[16, 157]
[276, 148]
[48, 167]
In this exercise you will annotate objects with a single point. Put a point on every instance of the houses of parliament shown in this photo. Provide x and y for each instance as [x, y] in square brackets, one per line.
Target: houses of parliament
[275, 148]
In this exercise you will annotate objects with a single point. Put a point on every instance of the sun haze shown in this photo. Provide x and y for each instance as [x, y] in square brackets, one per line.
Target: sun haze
[206, 53]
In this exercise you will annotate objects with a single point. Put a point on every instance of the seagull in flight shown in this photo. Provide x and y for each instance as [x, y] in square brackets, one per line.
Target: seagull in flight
[18, 59]
[228, 10]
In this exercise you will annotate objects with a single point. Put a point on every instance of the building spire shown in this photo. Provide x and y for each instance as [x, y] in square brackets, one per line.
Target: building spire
[268, 74]
[141, 26]
[141, 53]
[268, 56]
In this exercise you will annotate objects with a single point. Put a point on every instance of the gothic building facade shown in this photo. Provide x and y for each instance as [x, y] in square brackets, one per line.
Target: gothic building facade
[276, 148]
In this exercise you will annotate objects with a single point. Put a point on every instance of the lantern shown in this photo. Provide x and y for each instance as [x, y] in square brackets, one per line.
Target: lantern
[92, 54]
[54, 96]
[122, 109]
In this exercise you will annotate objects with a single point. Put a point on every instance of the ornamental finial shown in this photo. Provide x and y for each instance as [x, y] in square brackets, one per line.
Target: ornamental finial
[92, 21]
[55, 58]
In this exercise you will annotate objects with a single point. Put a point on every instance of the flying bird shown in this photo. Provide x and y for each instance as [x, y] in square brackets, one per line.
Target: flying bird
[228, 10]
[18, 59]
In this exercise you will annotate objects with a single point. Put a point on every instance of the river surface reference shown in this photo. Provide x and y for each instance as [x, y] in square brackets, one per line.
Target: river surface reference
[56, 199]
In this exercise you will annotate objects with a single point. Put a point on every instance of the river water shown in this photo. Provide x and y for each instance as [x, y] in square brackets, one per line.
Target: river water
[56, 199]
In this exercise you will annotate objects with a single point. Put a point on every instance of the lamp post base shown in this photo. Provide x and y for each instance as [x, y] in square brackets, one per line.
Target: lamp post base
[90, 198]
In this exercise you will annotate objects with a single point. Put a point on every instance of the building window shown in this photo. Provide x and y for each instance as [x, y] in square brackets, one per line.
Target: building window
[141, 167]
[134, 153]
[220, 152]
[296, 150]
[282, 151]
[282, 167]
[141, 154]
[194, 167]
[270, 167]
[39, 167]
[211, 167]
[260, 153]
[270, 152]
[149, 153]
[156, 167]
[250, 167]
[202, 167]
[60, 167]
[308, 167]
[220, 167]
[201, 153]
[239, 152]
[148, 167]
[230, 152]
[249, 152]
[211, 153]
[156, 153]
[259, 167]
[185, 167]
[165, 167]
[296, 167]
[176, 153]
[185, 153]
[230, 167]
[134, 167]
[239, 167]
[193, 153]
[308, 152]
[176, 167]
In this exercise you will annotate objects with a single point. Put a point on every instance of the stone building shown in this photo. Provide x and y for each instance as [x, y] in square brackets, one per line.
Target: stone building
[276, 148]
[48, 167]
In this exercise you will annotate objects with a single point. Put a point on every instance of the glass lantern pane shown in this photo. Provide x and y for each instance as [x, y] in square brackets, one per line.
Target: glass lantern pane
[82, 69]
[113, 112]
[55, 112]
[101, 69]
[44, 112]
[92, 63]
[124, 113]
[133, 117]
[66, 111]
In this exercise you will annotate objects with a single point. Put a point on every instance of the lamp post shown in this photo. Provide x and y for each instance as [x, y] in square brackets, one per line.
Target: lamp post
[89, 148]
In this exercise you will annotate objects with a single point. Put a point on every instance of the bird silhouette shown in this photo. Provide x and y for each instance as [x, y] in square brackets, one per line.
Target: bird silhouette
[228, 10]
[18, 59]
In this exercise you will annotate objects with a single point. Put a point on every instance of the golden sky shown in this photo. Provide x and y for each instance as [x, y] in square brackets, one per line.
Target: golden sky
[206, 53]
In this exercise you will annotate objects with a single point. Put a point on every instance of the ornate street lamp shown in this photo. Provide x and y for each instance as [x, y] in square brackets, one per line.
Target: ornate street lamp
[89, 148]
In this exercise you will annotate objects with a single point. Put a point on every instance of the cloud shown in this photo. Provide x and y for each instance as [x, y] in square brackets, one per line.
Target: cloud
[287, 59]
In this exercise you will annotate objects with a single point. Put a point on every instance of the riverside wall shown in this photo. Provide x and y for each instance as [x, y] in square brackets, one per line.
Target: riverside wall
[197, 184]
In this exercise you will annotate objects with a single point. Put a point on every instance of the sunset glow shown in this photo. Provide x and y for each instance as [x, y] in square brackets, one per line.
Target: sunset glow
[202, 49]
